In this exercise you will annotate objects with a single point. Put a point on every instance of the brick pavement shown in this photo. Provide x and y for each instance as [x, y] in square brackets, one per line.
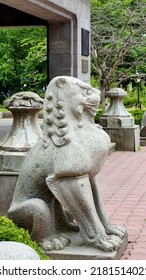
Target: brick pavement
[123, 188]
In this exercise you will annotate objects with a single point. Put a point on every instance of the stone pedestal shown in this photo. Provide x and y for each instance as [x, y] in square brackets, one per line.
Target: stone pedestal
[25, 130]
[77, 251]
[142, 141]
[24, 133]
[143, 131]
[119, 124]
[127, 139]
[8, 182]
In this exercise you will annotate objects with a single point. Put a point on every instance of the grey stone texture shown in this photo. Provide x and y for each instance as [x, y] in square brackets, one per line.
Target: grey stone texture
[143, 131]
[23, 134]
[119, 124]
[16, 251]
[57, 190]
[77, 251]
[8, 182]
[11, 161]
[143, 126]
[126, 139]
[25, 130]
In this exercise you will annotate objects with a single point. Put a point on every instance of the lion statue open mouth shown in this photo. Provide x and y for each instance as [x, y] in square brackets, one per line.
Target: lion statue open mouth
[57, 189]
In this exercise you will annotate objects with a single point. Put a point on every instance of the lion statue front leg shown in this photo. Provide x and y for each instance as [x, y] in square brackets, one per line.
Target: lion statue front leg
[77, 196]
[110, 229]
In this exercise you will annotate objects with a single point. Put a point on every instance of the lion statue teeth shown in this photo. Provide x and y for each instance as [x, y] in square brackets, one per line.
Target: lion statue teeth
[57, 191]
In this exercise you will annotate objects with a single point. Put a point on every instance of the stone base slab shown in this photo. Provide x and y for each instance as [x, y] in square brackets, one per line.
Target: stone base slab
[8, 182]
[126, 139]
[10, 165]
[142, 141]
[116, 121]
[80, 252]
[11, 161]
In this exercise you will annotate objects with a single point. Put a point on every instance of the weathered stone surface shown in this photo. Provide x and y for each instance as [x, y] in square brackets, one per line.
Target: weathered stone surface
[78, 251]
[143, 131]
[116, 115]
[127, 139]
[57, 190]
[8, 182]
[16, 251]
[25, 130]
[11, 161]
[119, 124]
[143, 126]
[23, 134]
[142, 141]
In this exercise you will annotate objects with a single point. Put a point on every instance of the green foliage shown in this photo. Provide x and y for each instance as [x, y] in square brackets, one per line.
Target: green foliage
[98, 115]
[23, 60]
[132, 94]
[35, 63]
[130, 100]
[10, 232]
[118, 41]
[94, 82]
[137, 114]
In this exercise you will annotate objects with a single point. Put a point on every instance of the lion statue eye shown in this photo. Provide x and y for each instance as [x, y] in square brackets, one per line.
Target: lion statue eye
[89, 92]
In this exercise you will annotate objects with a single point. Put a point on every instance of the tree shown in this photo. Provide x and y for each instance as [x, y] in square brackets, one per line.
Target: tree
[23, 60]
[118, 41]
[35, 63]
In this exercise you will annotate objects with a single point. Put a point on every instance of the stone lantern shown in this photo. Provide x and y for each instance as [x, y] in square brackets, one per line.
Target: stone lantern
[119, 124]
[24, 133]
[25, 130]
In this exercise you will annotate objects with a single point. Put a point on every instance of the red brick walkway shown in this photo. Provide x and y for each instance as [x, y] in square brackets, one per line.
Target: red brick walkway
[123, 187]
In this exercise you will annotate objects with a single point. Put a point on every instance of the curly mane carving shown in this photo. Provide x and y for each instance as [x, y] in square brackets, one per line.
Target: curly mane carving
[55, 121]
[60, 94]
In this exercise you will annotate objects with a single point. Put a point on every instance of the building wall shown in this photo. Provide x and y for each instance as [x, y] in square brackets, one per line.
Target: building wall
[81, 9]
[66, 19]
[77, 12]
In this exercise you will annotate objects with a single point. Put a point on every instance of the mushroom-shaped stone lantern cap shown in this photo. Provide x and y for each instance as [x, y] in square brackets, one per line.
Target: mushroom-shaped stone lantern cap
[115, 92]
[116, 114]
[116, 107]
[25, 130]
[24, 99]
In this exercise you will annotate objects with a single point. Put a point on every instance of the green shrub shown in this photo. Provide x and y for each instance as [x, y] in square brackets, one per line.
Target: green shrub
[130, 101]
[98, 115]
[10, 232]
[137, 114]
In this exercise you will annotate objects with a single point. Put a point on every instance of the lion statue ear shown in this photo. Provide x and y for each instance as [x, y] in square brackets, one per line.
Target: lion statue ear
[61, 82]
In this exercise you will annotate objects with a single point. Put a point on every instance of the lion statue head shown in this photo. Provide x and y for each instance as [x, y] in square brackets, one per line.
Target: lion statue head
[66, 98]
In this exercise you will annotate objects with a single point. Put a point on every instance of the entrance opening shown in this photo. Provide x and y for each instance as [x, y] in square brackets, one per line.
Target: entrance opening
[57, 47]
[23, 53]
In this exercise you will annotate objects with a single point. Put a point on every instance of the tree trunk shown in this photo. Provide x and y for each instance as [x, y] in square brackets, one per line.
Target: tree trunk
[104, 87]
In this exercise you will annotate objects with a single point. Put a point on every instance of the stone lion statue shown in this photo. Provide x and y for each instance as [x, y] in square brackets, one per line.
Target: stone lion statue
[57, 190]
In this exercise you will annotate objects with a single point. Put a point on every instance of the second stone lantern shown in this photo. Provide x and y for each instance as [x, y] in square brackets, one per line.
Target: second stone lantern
[119, 124]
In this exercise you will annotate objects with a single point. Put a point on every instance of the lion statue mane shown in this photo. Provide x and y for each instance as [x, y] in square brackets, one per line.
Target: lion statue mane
[57, 192]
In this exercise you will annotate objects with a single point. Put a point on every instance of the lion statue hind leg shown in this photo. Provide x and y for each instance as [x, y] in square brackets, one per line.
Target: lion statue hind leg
[33, 215]
[75, 194]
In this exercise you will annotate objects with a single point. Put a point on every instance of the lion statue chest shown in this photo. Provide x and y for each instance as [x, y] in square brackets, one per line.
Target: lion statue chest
[84, 155]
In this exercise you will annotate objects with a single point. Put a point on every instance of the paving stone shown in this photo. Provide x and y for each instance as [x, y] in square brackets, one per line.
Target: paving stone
[123, 187]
